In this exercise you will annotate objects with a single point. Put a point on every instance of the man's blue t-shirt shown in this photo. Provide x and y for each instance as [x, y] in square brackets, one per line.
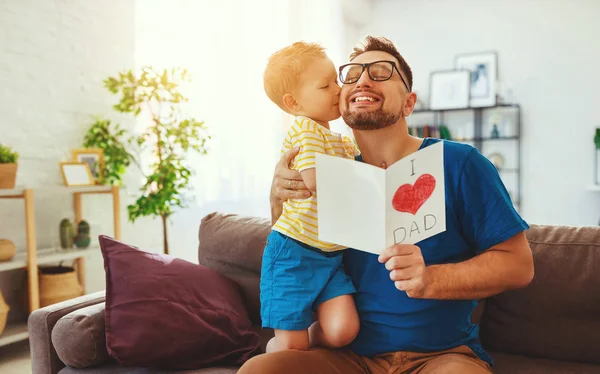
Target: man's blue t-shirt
[479, 215]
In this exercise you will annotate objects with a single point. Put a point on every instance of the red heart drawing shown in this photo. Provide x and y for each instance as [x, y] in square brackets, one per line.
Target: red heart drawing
[409, 198]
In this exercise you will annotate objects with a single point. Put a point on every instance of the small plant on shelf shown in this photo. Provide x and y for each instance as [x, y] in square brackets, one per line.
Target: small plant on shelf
[8, 167]
[7, 155]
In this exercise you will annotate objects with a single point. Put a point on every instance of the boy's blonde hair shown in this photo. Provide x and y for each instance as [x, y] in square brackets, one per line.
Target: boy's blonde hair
[284, 67]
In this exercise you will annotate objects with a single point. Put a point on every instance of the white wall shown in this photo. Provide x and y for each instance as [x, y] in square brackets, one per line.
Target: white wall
[548, 54]
[53, 58]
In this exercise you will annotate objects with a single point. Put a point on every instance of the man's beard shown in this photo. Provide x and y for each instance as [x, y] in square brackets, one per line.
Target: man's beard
[373, 120]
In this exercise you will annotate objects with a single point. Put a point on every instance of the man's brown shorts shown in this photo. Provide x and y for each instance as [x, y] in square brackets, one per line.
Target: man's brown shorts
[460, 360]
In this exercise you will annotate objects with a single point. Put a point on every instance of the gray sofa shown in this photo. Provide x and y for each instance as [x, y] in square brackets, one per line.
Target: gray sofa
[550, 327]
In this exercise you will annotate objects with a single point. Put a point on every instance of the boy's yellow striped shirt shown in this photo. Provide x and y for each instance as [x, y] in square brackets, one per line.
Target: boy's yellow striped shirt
[299, 217]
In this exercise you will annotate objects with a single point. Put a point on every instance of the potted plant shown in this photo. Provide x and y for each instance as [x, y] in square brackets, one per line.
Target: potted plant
[169, 135]
[115, 144]
[8, 167]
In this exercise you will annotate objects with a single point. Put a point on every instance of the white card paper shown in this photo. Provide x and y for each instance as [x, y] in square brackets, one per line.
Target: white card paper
[368, 208]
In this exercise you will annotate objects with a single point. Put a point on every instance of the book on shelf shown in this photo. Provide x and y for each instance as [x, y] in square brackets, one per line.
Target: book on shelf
[430, 131]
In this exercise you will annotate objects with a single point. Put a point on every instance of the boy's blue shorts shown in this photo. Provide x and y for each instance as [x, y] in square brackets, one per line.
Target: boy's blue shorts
[295, 279]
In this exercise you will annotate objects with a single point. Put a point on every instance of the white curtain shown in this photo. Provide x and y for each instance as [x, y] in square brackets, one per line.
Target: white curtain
[225, 45]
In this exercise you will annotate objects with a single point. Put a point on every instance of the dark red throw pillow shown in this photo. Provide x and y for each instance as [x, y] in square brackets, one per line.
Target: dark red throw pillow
[168, 313]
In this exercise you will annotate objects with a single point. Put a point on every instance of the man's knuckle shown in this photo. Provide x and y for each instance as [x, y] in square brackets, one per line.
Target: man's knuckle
[391, 263]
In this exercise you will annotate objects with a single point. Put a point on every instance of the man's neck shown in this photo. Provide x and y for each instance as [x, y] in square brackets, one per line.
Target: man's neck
[386, 146]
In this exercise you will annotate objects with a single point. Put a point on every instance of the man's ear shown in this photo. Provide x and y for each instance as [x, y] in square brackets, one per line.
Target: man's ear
[409, 106]
[290, 103]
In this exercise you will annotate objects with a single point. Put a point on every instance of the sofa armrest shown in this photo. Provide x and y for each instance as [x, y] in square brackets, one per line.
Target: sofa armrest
[40, 324]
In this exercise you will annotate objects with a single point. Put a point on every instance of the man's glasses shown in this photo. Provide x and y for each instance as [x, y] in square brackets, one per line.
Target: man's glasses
[378, 71]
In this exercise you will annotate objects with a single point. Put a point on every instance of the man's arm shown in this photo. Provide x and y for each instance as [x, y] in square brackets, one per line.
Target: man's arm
[505, 266]
[287, 184]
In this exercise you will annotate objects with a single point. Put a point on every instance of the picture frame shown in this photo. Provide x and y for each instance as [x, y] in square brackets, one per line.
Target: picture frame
[484, 76]
[449, 89]
[94, 157]
[76, 174]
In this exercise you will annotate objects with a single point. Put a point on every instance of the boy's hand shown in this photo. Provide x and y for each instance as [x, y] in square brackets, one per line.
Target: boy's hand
[407, 268]
[288, 183]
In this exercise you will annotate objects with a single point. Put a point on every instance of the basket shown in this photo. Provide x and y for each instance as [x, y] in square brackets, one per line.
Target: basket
[4, 308]
[58, 283]
[7, 250]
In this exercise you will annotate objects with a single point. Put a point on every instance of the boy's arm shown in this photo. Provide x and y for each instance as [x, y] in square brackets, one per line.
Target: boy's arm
[287, 184]
[310, 143]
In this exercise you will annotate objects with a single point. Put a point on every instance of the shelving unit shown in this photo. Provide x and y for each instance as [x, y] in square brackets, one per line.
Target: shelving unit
[480, 139]
[33, 256]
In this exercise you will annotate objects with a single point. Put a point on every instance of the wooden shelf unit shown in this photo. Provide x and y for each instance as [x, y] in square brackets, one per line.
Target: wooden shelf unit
[32, 257]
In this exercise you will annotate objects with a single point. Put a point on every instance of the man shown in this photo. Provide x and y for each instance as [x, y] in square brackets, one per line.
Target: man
[414, 301]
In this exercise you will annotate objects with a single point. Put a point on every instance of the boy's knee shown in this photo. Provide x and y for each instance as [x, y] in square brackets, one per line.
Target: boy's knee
[341, 334]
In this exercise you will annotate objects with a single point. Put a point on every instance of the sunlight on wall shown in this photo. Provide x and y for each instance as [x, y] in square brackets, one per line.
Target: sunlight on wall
[225, 45]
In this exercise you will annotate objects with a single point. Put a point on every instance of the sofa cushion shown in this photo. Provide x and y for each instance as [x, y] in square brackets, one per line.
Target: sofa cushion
[505, 363]
[233, 245]
[558, 315]
[79, 337]
[168, 313]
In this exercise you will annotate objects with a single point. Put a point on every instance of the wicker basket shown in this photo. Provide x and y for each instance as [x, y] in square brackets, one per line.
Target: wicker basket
[58, 283]
[7, 250]
[4, 308]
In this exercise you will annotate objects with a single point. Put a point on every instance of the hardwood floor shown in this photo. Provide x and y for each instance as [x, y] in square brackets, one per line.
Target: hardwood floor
[15, 359]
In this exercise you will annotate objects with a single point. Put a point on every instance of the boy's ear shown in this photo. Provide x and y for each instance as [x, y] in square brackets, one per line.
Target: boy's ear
[290, 103]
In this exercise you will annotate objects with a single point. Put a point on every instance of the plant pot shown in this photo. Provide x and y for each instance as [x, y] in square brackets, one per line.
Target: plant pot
[8, 176]
[4, 308]
[58, 283]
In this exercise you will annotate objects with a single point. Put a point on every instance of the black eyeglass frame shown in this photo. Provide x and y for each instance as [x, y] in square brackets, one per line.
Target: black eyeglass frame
[366, 66]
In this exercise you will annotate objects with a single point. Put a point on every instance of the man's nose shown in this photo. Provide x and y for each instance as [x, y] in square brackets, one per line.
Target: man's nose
[364, 80]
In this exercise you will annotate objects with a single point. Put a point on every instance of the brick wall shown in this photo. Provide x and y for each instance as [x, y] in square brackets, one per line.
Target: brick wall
[53, 58]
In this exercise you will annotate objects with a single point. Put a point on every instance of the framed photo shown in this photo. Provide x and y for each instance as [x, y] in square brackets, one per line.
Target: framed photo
[484, 75]
[76, 174]
[449, 89]
[94, 157]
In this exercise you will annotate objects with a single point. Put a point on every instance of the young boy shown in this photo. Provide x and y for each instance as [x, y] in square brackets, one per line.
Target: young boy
[300, 273]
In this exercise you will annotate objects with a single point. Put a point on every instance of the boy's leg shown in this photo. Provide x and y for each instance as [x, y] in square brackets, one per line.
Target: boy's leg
[292, 277]
[337, 319]
[286, 339]
[337, 323]
[317, 361]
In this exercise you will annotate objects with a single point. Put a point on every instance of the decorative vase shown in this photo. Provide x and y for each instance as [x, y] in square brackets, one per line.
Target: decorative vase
[495, 132]
[66, 234]
[7, 250]
[82, 240]
[58, 283]
[8, 176]
[4, 308]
